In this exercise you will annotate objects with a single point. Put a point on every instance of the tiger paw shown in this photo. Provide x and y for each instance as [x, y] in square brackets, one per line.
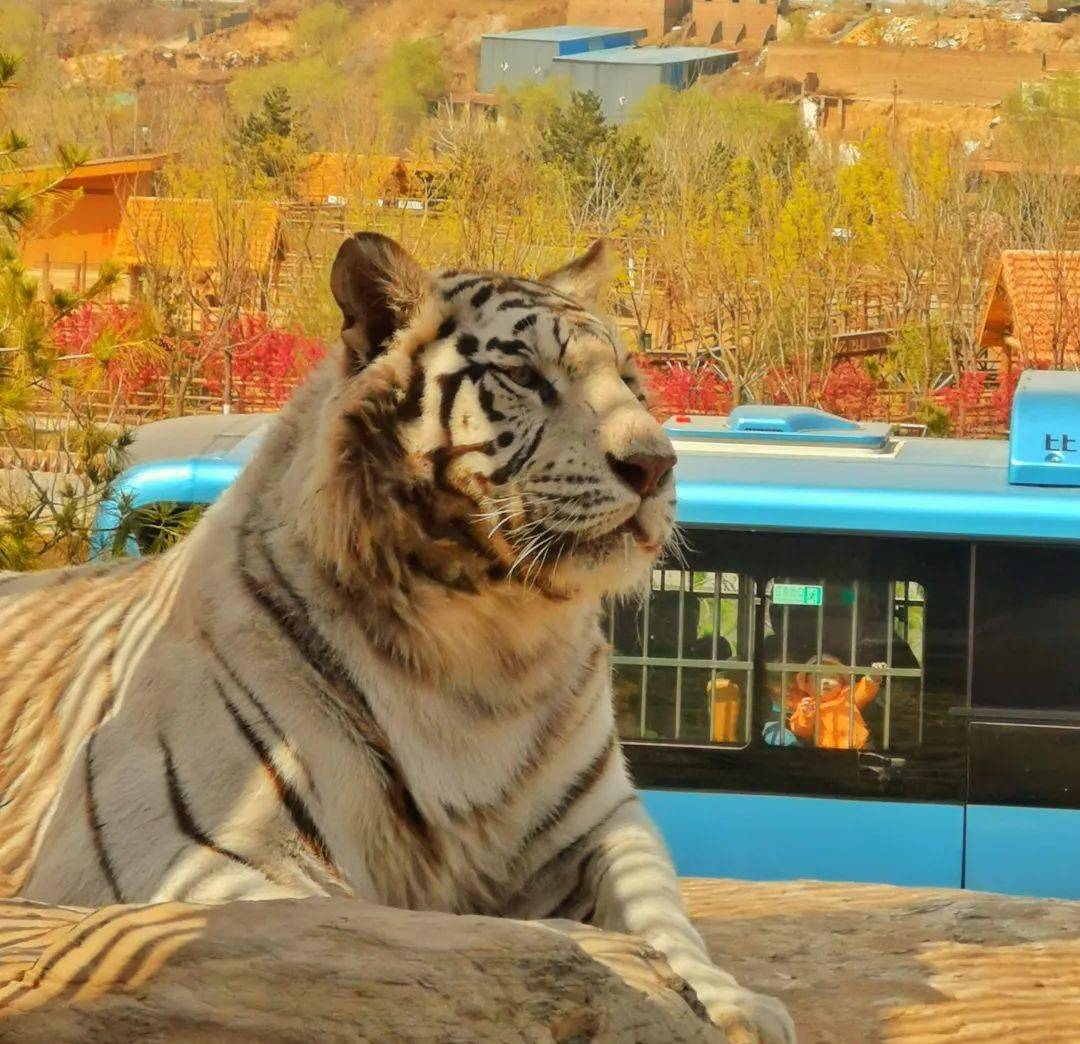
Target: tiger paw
[750, 1018]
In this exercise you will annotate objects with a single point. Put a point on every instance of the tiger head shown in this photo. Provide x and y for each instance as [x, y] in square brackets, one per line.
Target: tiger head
[490, 430]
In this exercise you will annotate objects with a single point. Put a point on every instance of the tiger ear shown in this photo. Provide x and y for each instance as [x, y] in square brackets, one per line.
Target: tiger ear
[586, 277]
[379, 287]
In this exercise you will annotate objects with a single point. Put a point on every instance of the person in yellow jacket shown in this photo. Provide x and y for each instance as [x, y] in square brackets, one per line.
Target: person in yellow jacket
[834, 715]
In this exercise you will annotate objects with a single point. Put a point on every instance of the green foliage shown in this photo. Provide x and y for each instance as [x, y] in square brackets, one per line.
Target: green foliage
[9, 66]
[802, 228]
[275, 120]
[21, 29]
[324, 29]
[1042, 120]
[595, 157]
[576, 132]
[719, 127]
[534, 104]
[920, 353]
[936, 418]
[153, 528]
[45, 516]
[798, 20]
[271, 140]
[311, 82]
[1057, 96]
[410, 79]
[321, 80]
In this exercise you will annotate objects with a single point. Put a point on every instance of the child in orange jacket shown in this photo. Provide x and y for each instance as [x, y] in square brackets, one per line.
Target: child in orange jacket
[841, 725]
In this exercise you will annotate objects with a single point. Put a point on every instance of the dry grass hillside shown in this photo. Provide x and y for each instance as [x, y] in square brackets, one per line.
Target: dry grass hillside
[458, 24]
[969, 34]
[150, 42]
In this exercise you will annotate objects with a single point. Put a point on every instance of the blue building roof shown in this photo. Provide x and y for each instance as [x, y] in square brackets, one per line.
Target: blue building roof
[646, 55]
[562, 33]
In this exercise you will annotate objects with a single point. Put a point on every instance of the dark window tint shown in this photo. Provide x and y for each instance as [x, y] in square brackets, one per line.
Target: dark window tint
[706, 664]
[1023, 764]
[843, 663]
[1027, 628]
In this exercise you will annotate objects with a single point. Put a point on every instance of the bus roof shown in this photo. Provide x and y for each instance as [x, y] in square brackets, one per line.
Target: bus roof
[915, 487]
[771, 468]
[794, 468]
[232, 437]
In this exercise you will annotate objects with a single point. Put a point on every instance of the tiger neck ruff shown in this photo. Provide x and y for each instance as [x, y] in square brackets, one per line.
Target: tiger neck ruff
[375, 666]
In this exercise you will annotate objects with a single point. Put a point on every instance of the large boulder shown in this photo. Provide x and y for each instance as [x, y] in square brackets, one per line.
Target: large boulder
[854, 963]
[328, 970]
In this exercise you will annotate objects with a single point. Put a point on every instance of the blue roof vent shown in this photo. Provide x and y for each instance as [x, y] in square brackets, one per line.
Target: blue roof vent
[796, 425]
[1044, 444]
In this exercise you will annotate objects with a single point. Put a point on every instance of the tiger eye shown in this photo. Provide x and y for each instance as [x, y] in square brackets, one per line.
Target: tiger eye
[525, 376]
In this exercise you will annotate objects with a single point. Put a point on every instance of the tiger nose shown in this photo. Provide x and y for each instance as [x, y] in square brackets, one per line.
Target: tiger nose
[642, 472]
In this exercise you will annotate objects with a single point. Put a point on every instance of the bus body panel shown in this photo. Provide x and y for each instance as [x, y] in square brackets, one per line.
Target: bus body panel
[767, 837]
[1022, 850]
[938, 488]
[1023, 823]
[930, 564]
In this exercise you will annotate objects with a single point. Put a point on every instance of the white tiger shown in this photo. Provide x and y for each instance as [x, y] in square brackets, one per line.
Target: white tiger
[375, 667]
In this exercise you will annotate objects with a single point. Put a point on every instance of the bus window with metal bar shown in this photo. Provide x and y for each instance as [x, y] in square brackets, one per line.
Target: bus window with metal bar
[683, 659]
[842, 664]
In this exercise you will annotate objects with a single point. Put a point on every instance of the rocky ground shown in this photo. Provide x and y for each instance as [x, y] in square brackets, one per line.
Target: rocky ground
[863, 963]
[855, 964]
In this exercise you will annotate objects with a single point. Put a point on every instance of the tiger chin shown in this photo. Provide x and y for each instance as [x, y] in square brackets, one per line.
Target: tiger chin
[375, 667]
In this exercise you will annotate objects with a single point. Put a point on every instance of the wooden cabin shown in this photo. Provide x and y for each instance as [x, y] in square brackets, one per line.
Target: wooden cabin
[75, 229]
[214, 250]
[340, 178]
[1032, 317]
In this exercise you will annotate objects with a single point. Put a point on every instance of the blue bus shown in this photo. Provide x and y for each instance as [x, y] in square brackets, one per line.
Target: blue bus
[173, 466]
[865, 664]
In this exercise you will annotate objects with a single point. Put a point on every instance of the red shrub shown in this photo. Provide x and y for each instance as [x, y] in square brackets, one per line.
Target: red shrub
[847, 390]
[81, 328]
[677, 388]
[267, 363]
[850, 391]
[780, 387]
[1002, 399]
[112, 339]
[961, 398]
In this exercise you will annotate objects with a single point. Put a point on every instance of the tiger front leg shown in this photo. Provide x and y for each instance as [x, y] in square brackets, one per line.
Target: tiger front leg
[632, 883]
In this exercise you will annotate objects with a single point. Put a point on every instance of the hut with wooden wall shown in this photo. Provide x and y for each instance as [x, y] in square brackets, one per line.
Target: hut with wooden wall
[78, 220]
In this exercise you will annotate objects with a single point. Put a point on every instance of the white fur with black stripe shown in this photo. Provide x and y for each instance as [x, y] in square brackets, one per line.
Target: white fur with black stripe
[375, 667]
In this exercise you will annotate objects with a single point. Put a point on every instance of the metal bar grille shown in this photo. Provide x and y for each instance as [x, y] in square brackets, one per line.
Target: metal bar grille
[697, 606]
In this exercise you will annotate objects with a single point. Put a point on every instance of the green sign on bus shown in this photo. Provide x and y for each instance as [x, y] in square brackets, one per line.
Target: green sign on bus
[796, 594]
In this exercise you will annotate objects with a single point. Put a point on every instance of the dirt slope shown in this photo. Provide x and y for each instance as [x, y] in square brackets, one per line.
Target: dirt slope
[967, 34]
[104, 34]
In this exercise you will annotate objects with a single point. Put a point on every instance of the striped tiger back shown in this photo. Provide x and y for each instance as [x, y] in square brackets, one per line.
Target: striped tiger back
[57, 660]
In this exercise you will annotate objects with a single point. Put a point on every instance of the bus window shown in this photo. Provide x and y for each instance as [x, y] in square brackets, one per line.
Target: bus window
[1027, 628]
[683, 659]
[901, 604]
[843, 664]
